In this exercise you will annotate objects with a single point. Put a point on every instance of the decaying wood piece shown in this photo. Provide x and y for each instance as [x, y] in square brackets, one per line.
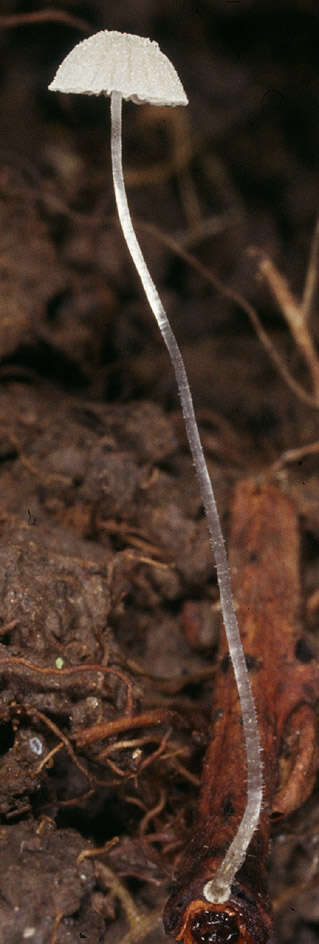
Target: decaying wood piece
[264, 557]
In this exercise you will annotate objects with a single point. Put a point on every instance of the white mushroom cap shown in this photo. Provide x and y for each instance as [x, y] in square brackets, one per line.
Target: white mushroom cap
[111, 61]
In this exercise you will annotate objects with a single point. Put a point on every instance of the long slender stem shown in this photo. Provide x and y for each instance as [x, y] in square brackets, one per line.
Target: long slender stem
[218, 888]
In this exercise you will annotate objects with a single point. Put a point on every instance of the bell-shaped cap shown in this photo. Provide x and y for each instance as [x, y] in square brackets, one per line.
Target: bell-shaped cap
[111, 61]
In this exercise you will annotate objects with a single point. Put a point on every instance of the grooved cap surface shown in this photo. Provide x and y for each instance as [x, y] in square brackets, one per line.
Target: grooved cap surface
[111, 61]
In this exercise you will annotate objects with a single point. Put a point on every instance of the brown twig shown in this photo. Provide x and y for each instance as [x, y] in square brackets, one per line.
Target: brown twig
[47, 758]
[157, 753]
[73, 801]
[35, 713]
[293, 313]
[135, 536]
[102, 850]
[55, 928]
[116, 769]
[241, 303]
[45, 16]
[98, 732]
[126, 745]
[151, 814]
[294, 455]
[140, 923]
[6, 627]
[311, 275]
[182, 770]
[18, 664]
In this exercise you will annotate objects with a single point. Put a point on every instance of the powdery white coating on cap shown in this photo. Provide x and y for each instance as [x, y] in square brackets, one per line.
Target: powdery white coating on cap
[111, 61]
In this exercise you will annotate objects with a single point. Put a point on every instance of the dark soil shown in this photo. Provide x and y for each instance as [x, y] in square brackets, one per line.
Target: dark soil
[104, 547]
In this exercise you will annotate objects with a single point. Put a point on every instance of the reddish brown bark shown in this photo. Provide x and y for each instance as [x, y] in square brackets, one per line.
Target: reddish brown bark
[264, 558]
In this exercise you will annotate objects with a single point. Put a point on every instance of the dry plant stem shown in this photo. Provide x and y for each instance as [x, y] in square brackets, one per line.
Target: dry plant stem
[56, 925]
[216, 890]
[243, 304]
[294, 315]
[294, 455]
[93, 853]
[311, 276]
[140, 923]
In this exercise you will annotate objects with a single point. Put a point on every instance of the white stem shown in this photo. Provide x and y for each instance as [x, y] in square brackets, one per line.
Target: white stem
[218, 889]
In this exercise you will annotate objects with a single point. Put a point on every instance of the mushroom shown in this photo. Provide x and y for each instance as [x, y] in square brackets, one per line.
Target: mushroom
[132, 67]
